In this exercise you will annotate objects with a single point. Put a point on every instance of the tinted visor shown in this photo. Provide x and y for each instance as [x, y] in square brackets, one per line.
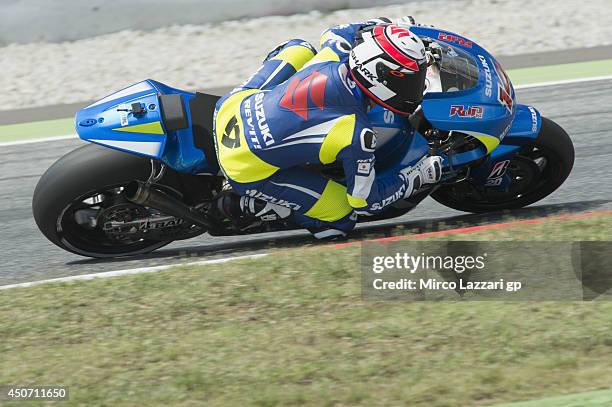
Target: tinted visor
[413, 86]
[408, 85]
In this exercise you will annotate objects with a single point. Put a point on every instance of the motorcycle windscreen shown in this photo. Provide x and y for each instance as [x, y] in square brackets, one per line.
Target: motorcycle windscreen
[457, 69]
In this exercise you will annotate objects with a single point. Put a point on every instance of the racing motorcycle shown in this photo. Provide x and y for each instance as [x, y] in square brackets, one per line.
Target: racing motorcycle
[151, 174]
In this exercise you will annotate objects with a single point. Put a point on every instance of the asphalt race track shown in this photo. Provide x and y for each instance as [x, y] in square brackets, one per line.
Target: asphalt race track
[583, 109]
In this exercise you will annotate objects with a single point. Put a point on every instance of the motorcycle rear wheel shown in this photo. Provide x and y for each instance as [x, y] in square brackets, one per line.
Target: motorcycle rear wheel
[87, 179]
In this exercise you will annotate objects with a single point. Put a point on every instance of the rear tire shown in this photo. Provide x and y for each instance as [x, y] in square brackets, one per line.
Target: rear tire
[553, 143]
[81, 172]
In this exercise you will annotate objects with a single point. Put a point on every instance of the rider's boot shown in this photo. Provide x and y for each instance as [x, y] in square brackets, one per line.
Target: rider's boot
[244, 210]
[328, 234]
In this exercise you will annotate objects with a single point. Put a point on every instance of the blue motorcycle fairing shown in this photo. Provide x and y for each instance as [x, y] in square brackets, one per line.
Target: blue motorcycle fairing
[501, 130]
[111, 123]
[475, 110]
[524, 130]
[525, 126]
[484, 109]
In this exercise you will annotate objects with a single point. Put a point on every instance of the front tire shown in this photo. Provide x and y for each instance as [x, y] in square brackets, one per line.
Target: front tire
[540, 168]
[83, 174]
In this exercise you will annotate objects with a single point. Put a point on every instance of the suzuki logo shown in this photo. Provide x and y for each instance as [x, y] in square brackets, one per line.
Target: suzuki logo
[296, 95]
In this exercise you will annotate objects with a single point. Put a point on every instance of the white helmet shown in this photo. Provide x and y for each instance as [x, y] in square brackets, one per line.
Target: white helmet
[388, 63]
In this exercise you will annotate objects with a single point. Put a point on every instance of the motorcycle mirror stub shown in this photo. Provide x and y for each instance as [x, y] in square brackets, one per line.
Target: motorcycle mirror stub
[138, 109]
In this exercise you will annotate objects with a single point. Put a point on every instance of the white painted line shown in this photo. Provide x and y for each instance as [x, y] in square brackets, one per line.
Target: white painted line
[36, 140]
[563, 82]
[128, 272]
[526, 86]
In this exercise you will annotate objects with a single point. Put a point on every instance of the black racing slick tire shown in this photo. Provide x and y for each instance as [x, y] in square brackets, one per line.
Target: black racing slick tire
[76, 175]
[553, 147]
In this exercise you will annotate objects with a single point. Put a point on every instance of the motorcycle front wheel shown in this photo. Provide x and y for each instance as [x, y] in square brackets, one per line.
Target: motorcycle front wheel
[536, 172]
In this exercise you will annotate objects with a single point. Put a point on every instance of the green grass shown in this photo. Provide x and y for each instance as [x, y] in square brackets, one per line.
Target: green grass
[589, 228]
[576, 70]
[601, 398]
[34, 130]
[291, 330]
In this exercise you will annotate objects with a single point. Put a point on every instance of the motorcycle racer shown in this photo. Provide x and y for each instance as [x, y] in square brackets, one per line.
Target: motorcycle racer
[303, 108]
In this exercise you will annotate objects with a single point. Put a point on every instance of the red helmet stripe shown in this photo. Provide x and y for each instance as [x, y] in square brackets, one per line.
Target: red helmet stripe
[401, 30]
[381, 39]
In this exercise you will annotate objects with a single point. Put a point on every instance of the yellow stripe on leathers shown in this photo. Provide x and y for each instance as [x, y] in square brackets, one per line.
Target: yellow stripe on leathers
[332, 205]
[357, 202]
[325, 55]
[239, 163]
[147, 128]
[340, 136]
[295, 55]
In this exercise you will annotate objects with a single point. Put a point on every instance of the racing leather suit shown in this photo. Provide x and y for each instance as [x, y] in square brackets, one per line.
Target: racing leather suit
[301, 107]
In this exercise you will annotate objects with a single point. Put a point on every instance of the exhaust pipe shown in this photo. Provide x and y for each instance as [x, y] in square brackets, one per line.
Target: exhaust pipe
[142, 194]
